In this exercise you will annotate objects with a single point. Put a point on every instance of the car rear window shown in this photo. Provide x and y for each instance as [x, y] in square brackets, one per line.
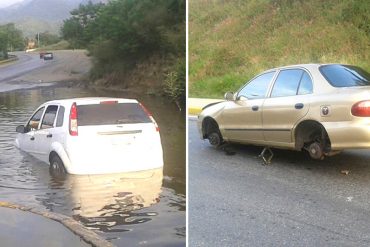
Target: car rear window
[345, 75]
[113, 113]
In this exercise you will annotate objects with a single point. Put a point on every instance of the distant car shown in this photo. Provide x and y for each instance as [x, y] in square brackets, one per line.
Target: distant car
[92, 136]
[42, 55]
[321, 108]
[48, 56]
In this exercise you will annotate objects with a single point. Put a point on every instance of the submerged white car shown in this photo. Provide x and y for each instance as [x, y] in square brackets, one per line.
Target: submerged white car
[92, 136]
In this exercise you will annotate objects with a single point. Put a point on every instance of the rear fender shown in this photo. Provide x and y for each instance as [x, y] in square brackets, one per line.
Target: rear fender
[58, 148]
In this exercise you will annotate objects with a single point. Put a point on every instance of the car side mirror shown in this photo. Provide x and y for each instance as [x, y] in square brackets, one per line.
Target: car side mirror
[241, 97]
[20, 129]
[229, 96]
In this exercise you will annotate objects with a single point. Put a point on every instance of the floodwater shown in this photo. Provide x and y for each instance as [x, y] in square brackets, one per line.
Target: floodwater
[132, 209]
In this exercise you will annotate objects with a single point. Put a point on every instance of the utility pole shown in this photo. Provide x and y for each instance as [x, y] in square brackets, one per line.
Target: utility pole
[38, 39]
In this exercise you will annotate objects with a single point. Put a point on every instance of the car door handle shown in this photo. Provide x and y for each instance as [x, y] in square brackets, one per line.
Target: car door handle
[255, 108]
[299, 106]
[32, 138]
[49, 136]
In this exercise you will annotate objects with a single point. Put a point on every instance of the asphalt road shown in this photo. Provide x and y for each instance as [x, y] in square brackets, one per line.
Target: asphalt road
[234, 200]
[26, 63]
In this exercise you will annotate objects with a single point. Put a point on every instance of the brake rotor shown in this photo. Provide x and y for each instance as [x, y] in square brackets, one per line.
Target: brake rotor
[316, 151]
[214, 139]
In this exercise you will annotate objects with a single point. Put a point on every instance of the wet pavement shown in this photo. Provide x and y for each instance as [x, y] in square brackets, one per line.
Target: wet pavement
[19, 228]
[145, 208]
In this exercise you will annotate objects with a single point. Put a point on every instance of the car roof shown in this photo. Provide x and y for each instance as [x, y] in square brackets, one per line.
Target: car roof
[309, 66]
[90, 100]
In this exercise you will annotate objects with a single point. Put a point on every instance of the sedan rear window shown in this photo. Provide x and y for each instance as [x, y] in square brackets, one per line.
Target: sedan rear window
[114, 113]
[345, 75]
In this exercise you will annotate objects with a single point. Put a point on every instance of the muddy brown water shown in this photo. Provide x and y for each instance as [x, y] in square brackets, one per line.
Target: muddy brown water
[131, 209]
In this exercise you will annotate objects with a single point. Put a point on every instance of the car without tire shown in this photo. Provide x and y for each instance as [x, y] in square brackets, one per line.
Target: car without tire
[321, 108]
[92, 136]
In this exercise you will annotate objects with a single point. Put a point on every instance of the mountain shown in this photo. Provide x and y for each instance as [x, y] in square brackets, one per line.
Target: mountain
[32, 16]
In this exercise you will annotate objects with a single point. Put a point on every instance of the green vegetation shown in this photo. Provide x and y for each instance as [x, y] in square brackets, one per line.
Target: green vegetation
[124, 36]
[231, 41]
[61, 45]
[11, 39]
[47, 38]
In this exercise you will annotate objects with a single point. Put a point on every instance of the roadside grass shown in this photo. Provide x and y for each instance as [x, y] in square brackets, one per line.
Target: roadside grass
[61, 45]
[232, 41]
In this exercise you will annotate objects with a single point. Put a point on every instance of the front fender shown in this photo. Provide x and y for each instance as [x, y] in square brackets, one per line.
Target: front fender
[58, 148]
[214, 111]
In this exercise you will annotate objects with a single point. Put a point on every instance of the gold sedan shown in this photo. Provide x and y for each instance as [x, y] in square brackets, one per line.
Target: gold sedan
[321, 108]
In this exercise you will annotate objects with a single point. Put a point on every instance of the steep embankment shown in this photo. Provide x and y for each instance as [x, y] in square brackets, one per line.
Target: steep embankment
[230, 41]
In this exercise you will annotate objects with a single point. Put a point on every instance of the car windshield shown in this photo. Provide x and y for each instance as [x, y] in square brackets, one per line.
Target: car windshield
[345, 75]
[116, 113]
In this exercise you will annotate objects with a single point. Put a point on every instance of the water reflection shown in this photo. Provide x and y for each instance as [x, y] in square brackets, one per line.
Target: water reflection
[105, 195]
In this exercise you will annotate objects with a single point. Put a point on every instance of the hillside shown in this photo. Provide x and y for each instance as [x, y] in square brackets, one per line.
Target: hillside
[231, 41]
[32, 16]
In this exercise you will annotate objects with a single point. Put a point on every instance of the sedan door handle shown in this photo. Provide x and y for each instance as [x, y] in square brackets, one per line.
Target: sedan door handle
[32, 138]
[49, 136]
[299, 106]
[255, 108]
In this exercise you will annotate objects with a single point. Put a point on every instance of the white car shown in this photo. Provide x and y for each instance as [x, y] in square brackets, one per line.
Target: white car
[92, 136]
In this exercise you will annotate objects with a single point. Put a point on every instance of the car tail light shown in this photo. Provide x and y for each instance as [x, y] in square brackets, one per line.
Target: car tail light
[361, 109]
[150, 116]
[73, 129]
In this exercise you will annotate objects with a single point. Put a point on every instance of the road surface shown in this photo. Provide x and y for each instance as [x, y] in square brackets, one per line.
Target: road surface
[234, 200]
[30, 71]
[26, 62]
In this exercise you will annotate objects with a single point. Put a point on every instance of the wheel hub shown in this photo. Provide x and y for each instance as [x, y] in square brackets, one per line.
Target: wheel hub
[214, 139]
[316, 151]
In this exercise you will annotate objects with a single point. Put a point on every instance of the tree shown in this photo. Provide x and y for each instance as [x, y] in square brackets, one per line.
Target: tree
[10, 39]
[78, 29]
[47, 38]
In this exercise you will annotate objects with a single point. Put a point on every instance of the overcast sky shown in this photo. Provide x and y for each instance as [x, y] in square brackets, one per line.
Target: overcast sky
[5, 3]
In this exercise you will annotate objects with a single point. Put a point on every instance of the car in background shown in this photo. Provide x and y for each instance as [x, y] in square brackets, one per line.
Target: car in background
[92, 136]
[48, 56]
[321, 108]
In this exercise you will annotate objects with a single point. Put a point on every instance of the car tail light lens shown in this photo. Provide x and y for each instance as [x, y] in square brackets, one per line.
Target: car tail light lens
[73, 129]
[150, 116]
[361, 109]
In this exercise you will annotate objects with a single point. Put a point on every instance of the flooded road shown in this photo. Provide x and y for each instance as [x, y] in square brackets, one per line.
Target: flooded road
[132, 209]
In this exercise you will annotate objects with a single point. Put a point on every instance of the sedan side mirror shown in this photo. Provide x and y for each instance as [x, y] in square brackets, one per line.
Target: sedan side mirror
[20, 129]
[229, 96]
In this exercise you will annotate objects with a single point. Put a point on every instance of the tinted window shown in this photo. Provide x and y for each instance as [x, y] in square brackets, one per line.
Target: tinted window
[49, 117]
[35, 120]
[101, 114]
[257, 88]
[287, 83]
[345, 76]
[60, 117]
[305, 87]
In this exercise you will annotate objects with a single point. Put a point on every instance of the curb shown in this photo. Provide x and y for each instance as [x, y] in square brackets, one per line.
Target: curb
[195, 105]
[14, 58]
[77, 228]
